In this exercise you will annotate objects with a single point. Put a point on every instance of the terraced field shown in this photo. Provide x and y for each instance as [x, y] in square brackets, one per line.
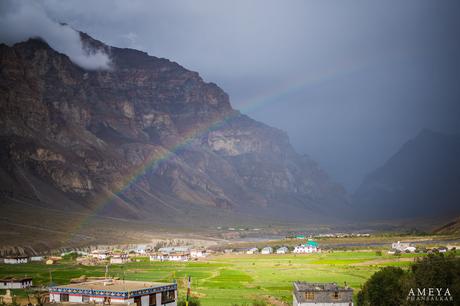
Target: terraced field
[230, 279]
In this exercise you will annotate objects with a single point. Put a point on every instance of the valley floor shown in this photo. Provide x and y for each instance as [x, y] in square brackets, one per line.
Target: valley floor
[231, 279]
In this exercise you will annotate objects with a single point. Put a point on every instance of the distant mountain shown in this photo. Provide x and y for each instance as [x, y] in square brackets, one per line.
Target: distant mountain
[146, 140]
[421, 180]
[450, 228]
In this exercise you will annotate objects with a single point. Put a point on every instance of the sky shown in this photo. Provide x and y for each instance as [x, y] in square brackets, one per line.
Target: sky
[349, 81]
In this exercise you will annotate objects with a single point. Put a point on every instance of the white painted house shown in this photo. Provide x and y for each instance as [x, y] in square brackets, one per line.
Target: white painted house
[282, 250]
[15, 283]
[198, 253]
[119, 259]
[100, 254]
[267, 250]
[37, 258]
[309, 247]
[403, 246]
[111, 291]
[171, 254]
[170, 257]
[13, 260]
[252, 251]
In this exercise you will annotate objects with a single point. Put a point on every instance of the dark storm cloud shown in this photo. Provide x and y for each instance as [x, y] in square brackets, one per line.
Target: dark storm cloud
[350, 81]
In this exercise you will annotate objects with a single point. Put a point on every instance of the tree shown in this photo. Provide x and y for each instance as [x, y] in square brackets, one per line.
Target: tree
[438, 271]
[383, 288]
[391, 286]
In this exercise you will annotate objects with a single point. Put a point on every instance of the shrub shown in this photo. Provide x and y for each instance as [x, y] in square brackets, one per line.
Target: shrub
[192, 301]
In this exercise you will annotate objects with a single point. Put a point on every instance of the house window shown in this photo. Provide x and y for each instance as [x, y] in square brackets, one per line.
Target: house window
[85, 299]
[335, 295]
[310, 295]
[167, 296]
[64, 297]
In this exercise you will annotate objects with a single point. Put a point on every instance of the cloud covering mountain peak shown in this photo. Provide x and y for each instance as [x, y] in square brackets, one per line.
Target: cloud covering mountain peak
[21, 20]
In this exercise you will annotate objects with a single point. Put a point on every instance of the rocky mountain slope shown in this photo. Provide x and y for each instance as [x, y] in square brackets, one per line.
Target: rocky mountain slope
[450, 228]
[422, 180]
[145, 140]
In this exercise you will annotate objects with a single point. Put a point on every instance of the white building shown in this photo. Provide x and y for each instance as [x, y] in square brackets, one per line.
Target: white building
[37, 258]
[100, 254]
[116, 292]
[119, 259]
[15, 283]
[267, 250]
[198, 253]
[309, 247]
[403, 246]
[176, 249]
[252, 251]
[13, 260]
[170, 257]
[282, 250]
[171, 254]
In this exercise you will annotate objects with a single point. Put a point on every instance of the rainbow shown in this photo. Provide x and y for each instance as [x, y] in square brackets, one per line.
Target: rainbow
[274, 95]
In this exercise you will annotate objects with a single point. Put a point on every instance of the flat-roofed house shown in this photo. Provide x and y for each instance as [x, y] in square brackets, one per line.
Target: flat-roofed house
[198, 253]
[176, 249]
[13, 260]
[179, 256]
[267, 250]
[321, 294]
[403, 246]
[309, 247]
[119, 259]
[100, 254]
[15, 283]
[171, 254]
[116, 292]
[282, 250]
[37, 258]
[252, 251]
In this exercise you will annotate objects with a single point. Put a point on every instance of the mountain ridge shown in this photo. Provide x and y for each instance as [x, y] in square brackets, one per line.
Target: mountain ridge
[420, 180]
[147, 139]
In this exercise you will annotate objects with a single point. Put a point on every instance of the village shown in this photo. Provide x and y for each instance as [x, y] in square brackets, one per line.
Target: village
[108, 289]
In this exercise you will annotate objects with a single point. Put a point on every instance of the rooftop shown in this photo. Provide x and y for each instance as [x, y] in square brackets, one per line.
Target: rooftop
[320, 293]
[14, 279]
[113, 285]
[304, 286]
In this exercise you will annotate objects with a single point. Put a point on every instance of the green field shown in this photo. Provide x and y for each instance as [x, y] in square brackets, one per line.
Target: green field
[224, 280]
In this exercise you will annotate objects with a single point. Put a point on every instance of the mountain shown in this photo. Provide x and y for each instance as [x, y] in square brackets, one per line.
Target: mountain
[145, 140]
[422, 180]
[450, 228]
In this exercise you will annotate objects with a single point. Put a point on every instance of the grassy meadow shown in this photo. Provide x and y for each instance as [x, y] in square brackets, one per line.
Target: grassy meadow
[230, 279]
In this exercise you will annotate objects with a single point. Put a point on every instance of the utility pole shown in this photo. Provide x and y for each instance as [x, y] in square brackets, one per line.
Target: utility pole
[188, 290]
